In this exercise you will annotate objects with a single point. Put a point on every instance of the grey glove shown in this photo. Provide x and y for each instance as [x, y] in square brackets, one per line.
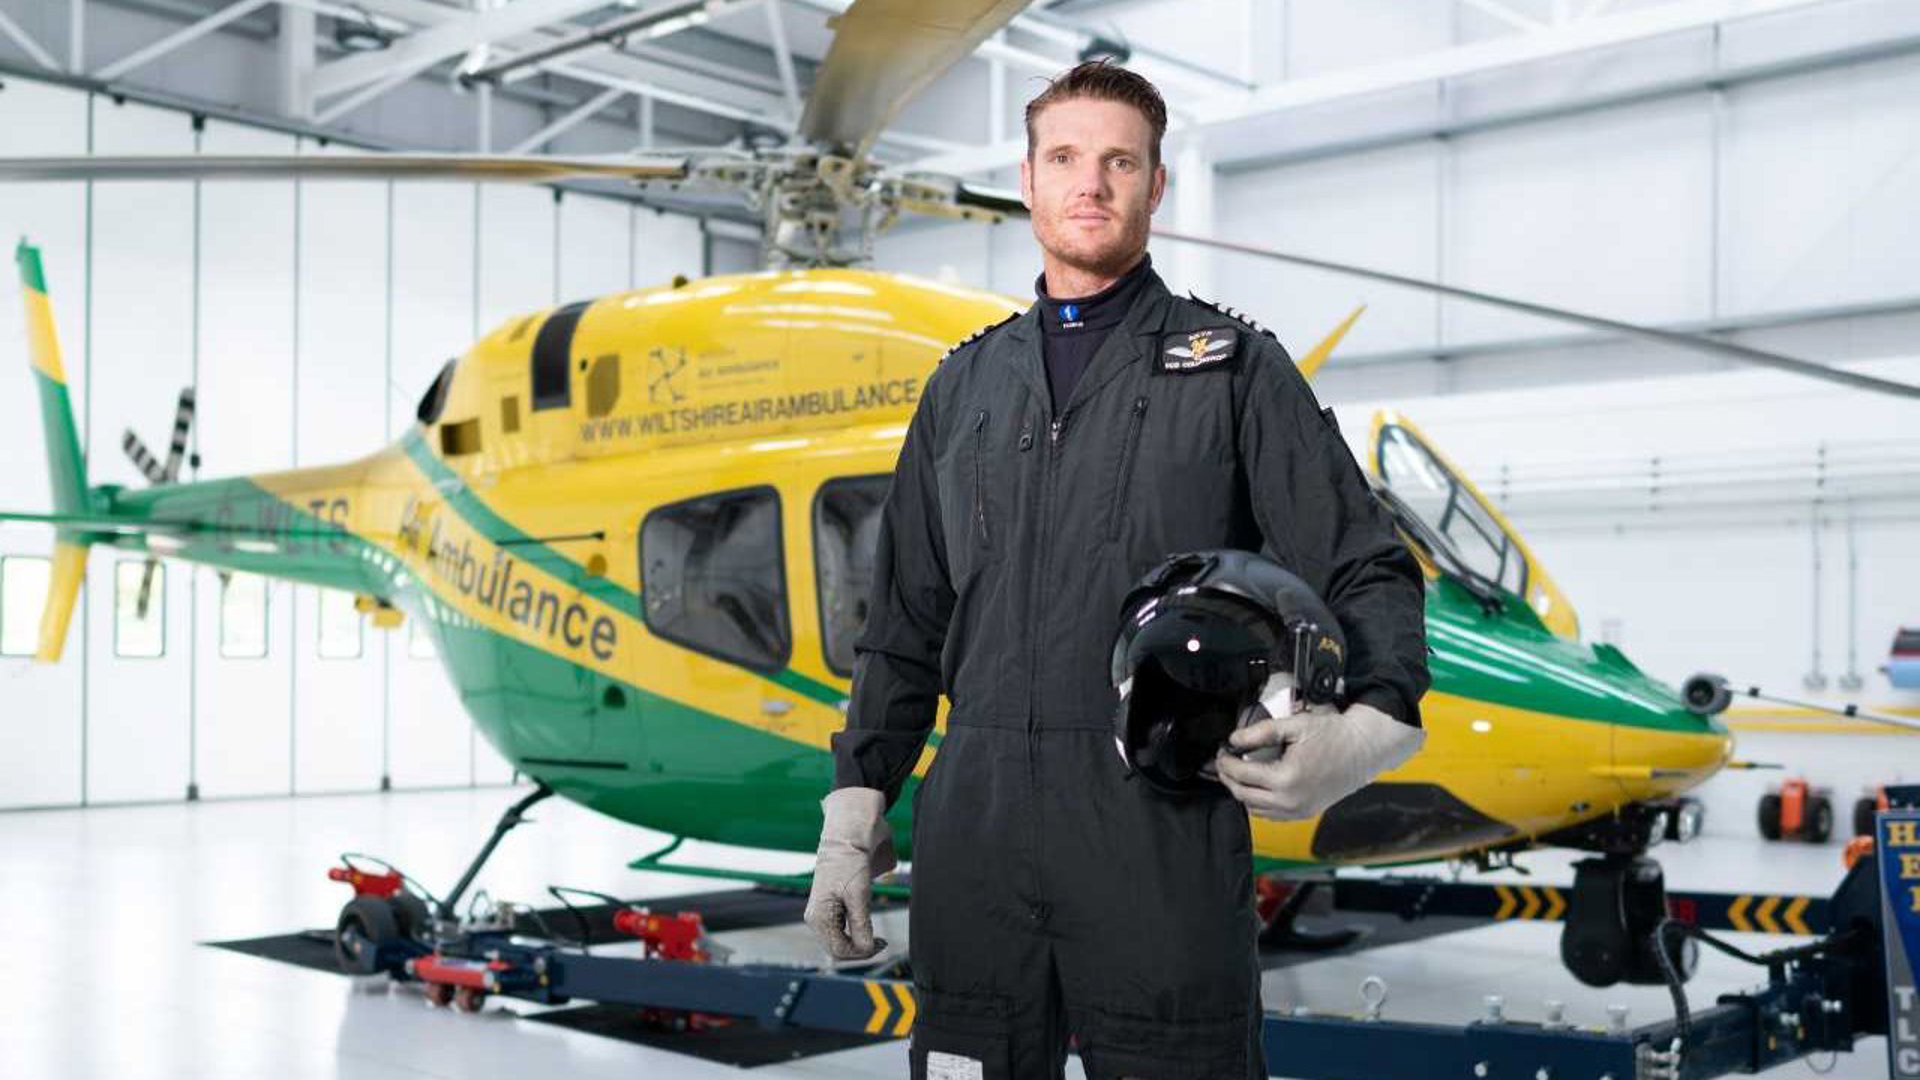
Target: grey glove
[1325, 755]
[856, 846]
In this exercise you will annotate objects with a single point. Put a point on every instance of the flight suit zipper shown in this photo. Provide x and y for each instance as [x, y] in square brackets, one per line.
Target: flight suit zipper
[979, 478]
[1056, 431]
[1127, 452]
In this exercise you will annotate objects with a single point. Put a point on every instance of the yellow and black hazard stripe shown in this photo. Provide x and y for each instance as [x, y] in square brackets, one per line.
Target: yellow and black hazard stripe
[1542, 902]
[1770, 914]
[1767, 913]
[893, 1008]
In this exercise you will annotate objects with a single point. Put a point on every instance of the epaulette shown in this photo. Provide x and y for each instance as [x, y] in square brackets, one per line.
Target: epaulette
[1236, 316]
[977, 335]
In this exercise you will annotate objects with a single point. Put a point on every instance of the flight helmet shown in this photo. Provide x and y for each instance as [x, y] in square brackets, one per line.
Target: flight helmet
[1204, 637]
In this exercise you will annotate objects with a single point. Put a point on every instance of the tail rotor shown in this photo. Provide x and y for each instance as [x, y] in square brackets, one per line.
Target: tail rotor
[160, 475]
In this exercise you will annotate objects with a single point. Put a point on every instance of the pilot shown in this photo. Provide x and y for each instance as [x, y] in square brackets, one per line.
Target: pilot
[1054, 458]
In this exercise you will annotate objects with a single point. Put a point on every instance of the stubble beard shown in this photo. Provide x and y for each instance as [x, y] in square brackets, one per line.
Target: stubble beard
[1109, 259]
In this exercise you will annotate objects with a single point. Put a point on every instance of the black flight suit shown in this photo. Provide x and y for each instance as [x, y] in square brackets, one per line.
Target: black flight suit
[1052, 895]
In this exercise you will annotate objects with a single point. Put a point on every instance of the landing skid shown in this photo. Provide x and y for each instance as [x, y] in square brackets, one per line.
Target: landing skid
[509, 821]
[655, 862]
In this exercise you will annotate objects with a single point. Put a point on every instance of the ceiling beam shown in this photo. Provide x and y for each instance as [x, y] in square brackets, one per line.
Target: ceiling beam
[568, 122]
[635, 74]
[337, 109]
[783, 58]
[768, 116]
[186, 35]
[456, 35]
[618, 33]
[27, 44]
[294, 59]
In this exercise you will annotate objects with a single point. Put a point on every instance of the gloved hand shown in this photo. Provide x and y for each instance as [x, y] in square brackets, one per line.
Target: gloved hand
[1310, 760]
[856, 846]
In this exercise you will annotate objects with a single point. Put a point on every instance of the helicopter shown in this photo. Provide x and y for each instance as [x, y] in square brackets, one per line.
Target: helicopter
[640, 528]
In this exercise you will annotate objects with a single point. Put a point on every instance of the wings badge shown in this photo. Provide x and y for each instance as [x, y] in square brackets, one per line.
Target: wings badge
[1197, 350]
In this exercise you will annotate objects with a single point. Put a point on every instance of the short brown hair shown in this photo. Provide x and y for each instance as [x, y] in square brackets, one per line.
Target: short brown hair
[1104, 81]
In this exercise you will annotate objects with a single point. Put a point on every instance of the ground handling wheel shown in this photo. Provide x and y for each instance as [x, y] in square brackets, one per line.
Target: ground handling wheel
[1770, 816]
[439, 994]
[1864, 810]
[469, 999]
[1685, 819]
[1819, 826]
[366, 925]
[413, 917]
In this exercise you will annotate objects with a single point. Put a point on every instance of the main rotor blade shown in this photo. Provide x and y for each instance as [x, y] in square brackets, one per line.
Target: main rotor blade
[1006, 202]
[886, 51]
[177, 448]
[504, 168]
[1695, 342]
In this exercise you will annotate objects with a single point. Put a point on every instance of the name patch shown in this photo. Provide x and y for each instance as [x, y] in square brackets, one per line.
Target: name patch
[1198, 350]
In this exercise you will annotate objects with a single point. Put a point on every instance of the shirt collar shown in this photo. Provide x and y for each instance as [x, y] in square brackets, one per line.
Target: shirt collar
[1102, 310]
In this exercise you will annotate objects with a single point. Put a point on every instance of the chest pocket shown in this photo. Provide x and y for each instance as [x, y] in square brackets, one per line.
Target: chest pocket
[975, 501]
[1172, 485]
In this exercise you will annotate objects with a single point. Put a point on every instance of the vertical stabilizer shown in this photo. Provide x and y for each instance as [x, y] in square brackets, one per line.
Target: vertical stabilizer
[66, 468]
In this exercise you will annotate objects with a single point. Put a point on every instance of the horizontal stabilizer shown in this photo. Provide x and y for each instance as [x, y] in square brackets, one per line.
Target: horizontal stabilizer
[63, 588]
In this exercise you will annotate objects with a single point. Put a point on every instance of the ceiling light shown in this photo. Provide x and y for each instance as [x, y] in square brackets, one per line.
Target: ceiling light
[360, 35]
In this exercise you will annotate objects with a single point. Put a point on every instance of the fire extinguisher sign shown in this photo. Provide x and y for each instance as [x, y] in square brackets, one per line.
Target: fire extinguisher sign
[1899, 853]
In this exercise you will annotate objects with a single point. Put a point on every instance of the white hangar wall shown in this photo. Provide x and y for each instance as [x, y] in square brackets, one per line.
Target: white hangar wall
[310, 317]
[1799, 198]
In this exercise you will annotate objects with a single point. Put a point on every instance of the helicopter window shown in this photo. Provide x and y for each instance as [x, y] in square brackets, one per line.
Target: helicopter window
[846, 530]
[552, 346]
[713, 578]
[434, 401]
[23, 592]
[1439, 498]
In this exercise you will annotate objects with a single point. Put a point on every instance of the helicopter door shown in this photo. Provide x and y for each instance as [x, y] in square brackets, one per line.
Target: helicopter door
[1436, 491]
[846, 537]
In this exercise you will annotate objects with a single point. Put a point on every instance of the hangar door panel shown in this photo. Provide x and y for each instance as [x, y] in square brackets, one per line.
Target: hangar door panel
[138, 685]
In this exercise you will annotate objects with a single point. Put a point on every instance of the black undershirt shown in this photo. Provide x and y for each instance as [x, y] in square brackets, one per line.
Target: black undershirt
[1073, 329]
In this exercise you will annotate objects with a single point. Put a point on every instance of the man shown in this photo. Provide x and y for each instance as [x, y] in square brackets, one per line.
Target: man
[1054, 458]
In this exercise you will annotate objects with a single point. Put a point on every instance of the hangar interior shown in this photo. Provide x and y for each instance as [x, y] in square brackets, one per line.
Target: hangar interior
[1747, 171]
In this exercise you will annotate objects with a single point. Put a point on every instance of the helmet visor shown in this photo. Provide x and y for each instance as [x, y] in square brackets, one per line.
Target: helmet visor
[1190, 666]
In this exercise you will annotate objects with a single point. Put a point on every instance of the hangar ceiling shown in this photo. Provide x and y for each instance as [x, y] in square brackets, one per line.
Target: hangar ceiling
[713, 72]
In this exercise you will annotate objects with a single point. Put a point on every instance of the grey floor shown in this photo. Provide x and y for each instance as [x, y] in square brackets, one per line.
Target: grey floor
[106, 978]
